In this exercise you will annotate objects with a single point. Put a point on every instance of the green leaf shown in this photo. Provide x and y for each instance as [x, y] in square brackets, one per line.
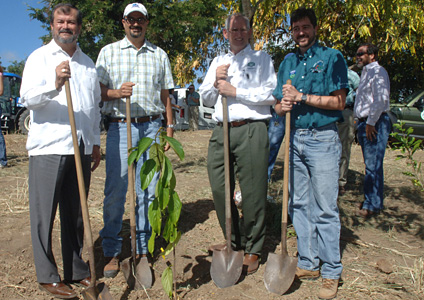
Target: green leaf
[171, 245]
[167, 281]
[167, 172]
[155, 216]
[147, 172]
[132, 158]
[176, 146]
[143, 145]
[156, 153]
[151, 243]
[174, 207]
[165, 198]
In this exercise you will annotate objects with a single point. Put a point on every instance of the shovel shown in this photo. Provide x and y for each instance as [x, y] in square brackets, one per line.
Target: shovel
[226, 264]
[137, 275]
[281, 269]
[92, 292]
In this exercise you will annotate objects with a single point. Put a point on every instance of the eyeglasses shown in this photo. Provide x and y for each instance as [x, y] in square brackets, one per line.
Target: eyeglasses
[132, 20]
[360, 53]
[235, 30]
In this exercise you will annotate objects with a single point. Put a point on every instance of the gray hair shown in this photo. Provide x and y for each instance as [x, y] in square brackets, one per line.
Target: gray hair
[236, 15]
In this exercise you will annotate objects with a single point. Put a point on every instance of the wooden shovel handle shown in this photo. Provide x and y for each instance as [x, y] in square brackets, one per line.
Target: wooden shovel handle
[81, 187]
[286, 182]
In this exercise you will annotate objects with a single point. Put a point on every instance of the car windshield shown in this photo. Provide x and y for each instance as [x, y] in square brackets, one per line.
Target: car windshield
[410, 97]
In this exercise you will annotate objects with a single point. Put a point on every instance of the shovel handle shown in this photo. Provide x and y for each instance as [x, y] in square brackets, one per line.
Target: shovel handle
[226, 172]
[131, 178]
[81, 186]
[286, 182]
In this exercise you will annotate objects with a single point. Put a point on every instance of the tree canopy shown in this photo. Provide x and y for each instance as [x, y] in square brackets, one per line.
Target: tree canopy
[190, 30]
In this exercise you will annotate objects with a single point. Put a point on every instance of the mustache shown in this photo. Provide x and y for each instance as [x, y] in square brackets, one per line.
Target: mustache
[66, 31]
[136, 27]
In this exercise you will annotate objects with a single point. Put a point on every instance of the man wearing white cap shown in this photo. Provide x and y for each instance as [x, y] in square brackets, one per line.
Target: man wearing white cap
[139, 70]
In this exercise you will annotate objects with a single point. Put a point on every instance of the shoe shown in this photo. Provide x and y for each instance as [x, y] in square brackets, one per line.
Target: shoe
[303, 274]
[58, 290]
[342, 190]
[328, 289]
[366, 213]
[84, 282]
[217, 247]
[250, 263]
[111, 268]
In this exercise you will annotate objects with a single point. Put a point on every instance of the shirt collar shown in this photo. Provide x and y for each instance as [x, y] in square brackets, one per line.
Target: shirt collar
[371, 66]
[246, 50]
[125, 43]
[55, 48]
[310, 52]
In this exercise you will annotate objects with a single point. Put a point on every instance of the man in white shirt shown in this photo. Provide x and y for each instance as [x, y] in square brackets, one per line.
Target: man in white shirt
[374, 125]
[247, 78]
[52, 173]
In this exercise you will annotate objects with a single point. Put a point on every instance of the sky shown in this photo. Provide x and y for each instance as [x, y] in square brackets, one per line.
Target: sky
[20, 35]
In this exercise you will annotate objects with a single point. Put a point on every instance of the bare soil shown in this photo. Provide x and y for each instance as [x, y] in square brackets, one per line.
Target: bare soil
[382, 256]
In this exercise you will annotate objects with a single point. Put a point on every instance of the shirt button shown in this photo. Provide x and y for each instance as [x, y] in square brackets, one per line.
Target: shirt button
[304, 64]
[303, 77]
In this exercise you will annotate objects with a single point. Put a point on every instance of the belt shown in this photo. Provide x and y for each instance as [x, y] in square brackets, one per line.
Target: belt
[240, 123]
[135, 120]
[360, 120]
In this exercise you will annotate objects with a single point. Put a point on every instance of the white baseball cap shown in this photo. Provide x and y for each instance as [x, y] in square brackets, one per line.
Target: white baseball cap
[132, 7]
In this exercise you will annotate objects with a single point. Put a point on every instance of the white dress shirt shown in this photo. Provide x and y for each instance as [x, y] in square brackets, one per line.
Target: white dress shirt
[373, 93]
[253, 75]
[50, 131]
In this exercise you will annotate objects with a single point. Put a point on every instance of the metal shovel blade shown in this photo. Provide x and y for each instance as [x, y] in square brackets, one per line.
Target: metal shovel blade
[226, 267]
[279, 273]
[139, 276]
[98, 292]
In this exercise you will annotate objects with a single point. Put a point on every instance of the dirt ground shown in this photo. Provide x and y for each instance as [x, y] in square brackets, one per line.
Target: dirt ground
[382, 256]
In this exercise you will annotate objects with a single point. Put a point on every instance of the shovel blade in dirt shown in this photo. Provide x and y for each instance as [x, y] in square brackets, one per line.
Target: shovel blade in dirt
[226, 267]
[137, 277]
[98, 292]
[279, 273]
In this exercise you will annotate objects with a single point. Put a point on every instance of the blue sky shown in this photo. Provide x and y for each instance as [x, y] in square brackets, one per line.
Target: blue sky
[19, 35]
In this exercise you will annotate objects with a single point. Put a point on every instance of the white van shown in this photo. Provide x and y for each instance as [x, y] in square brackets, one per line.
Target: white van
[205, 113]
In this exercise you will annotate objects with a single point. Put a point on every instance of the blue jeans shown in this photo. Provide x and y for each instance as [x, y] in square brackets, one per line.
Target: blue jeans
[3, 158]
[314, 174]
[276, 135]
[117, 183]
[373, 152]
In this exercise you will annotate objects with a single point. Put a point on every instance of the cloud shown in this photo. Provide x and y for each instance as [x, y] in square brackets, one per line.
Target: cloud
[8, 56]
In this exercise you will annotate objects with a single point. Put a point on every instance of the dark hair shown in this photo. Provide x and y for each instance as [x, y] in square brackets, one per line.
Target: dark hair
[65, 8]
[302, 13]
[371, 49]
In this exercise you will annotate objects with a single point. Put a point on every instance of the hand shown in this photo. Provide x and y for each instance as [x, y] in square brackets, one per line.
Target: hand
[283, 107]
[126, 89]
[226, 89]
[63, 73]
[95, 157]
[170, 133]
[370, 132]
[290, 93]
[221, 74]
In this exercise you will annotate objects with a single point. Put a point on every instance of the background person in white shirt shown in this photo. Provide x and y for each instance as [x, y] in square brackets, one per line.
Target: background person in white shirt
[52, 173]
[247, 78]
[374, 126]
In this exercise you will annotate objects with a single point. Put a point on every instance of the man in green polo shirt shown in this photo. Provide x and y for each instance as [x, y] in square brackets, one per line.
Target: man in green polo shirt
[315, 98]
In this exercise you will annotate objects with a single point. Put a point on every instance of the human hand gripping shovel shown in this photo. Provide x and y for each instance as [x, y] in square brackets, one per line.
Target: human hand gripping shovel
[137, 275]
[227, 264]
[281, 269]
[94, 290]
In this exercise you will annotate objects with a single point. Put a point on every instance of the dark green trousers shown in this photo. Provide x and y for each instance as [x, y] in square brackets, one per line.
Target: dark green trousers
[249, 151]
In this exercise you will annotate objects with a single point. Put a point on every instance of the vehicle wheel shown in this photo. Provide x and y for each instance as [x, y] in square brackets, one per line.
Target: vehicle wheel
[24, 122]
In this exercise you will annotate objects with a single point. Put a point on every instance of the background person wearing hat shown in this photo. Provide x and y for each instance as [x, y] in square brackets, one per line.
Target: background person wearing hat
[131, 67]
[193, 103]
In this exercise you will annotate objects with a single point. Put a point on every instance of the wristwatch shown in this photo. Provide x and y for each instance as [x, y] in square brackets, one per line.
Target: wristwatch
[170, 126]
[304, 98]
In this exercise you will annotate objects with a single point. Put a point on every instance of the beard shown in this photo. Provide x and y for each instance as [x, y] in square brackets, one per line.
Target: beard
[68, 40]
[138, 34]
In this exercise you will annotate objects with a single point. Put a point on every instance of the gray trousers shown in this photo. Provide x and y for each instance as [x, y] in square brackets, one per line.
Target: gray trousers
[249, 151]
[52, 181]
[347, 135]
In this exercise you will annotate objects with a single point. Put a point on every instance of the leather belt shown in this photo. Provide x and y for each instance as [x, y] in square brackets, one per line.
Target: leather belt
[360, 120]
[134, 120]
[240, 123]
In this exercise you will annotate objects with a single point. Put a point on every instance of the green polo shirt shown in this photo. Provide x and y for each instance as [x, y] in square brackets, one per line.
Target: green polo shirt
[320, 71]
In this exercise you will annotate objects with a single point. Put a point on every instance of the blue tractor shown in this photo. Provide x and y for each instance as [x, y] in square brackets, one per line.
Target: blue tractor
[15, 117]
